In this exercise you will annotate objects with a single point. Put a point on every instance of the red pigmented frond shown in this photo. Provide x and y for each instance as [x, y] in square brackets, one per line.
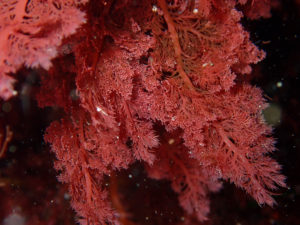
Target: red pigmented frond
[6, 87]
[88, 199]
[143, 72]
[202, 51]
[85, 154]
[255, 9]
[190, 180]
[30, 32]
